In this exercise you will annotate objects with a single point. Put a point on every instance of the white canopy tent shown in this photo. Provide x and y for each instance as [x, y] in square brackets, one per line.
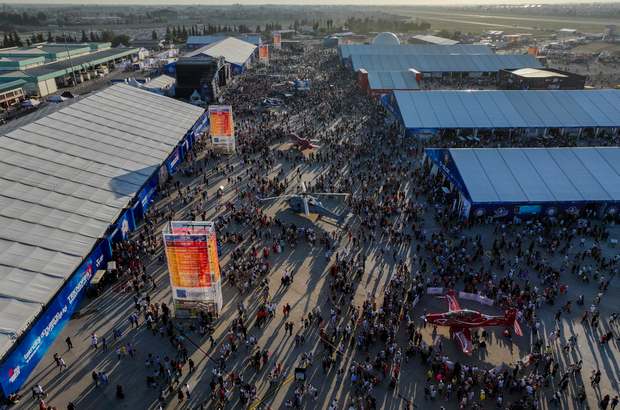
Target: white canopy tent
[66, 173]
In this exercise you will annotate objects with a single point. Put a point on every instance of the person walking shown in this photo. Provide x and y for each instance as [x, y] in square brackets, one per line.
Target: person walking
[61, 364]
[69, 343]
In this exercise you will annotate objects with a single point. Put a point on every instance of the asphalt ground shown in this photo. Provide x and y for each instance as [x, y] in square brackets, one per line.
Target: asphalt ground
[310, 288]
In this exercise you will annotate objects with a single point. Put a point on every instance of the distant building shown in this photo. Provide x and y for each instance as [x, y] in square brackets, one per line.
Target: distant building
[537, 79]
[570, 31]
[423, 39]
[306, 29]
[11, 93]
[45, 68]
[165, 13]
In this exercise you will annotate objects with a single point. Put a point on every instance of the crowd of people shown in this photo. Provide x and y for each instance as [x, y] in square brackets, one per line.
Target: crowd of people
[394, 199]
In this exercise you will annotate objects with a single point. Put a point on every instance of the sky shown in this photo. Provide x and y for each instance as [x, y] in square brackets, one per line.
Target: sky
[290, 2]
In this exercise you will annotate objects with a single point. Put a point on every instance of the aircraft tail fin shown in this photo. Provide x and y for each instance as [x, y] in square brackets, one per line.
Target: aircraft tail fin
[511, 318]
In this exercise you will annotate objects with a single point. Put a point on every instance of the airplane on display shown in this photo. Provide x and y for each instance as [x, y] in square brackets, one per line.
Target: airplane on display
[307, 204]
[461, 320]
[302, 143]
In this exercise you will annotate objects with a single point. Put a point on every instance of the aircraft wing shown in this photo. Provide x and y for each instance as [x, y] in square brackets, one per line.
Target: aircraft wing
[463, 335]
[453, 305]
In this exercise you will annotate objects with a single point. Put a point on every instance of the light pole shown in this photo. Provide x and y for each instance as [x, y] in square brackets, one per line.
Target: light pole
[69, 54]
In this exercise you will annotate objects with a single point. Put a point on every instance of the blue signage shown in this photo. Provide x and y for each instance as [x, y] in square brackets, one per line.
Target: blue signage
[125, 226]
[16, 370]
[149, 193]
[200, 125]
[390, 103]
[443, 160]
[175, 160]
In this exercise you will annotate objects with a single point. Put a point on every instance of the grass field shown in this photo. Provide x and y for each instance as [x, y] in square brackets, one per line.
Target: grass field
[477, 23]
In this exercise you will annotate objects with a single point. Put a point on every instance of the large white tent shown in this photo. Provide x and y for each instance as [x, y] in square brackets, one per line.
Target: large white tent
[66, 173]
[234, 51]
[439, 64]
[505, 109]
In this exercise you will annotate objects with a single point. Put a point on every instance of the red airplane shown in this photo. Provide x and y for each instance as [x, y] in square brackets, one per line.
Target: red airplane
[301, 143]
[461, 320]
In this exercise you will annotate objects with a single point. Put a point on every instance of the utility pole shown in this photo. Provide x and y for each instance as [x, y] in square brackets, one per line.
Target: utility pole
[64, 34]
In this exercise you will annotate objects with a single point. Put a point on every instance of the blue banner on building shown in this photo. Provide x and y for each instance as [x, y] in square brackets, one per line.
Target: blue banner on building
[175, 160]
[126, 224]
[442, 158]
[147, 195]
[16, 370]
[200, 126]
[390, 103]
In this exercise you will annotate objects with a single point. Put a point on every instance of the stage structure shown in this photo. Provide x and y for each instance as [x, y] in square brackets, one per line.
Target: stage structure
[222, 128]
[193, 265]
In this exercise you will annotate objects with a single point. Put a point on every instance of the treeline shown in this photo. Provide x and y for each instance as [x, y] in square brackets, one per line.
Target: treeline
[181, 33]
[369, 24]
[11, 40]
[23, 18]
[106, 36]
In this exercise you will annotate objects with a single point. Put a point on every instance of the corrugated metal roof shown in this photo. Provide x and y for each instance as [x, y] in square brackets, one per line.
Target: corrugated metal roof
[65, 174]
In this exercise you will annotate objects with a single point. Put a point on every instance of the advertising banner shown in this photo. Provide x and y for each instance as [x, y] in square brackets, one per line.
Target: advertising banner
[277, 41]
[444, 161]
[302, 85]
[200, 126]
[125, 226]
[434, 291]
[18, 367]
[147, 194]
[533, 50]
[193, 266]
[175, 160]
[390, 104]
[263, 53]
[222, 128]
[425, 133]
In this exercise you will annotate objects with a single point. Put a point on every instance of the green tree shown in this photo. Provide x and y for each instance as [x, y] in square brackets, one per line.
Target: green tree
[258, 29]
[120, 39]
[84, 37]
[50, 39]
[154, 35]
[444, 33]
[107, 36]
[16, 40]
